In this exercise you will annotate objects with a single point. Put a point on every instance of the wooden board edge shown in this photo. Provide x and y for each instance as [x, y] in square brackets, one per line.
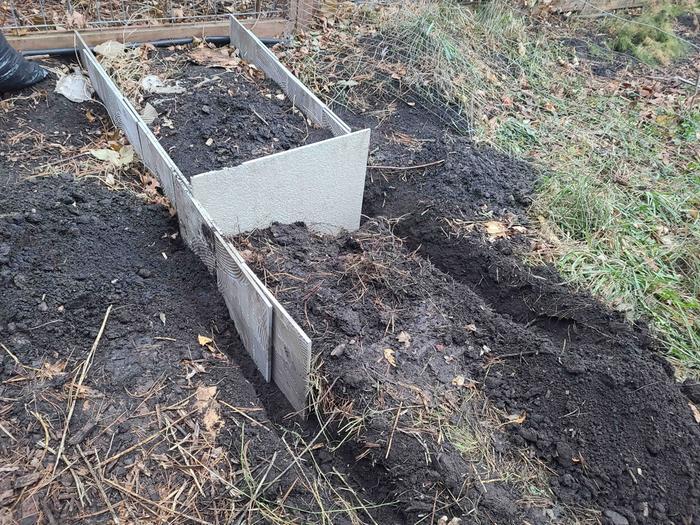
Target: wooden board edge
[272, 28]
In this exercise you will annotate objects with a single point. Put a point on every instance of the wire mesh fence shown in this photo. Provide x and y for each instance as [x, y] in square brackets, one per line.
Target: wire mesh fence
[20, 16]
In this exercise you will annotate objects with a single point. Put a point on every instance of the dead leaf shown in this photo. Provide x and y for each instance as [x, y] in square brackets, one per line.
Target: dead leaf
[390, 356]
[153, 84]
[75, 20]
[203, 396]
[211, 418]
[496, 229]
[110, 49]
[517, 419]
[162, 318]
[458, 381]
[405, 338]
[215, 58]
[118, 159]
[203, 340]
[470, 327]
[695, 411]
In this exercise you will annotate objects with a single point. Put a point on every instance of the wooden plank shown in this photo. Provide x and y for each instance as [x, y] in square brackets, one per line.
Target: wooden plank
[196, 227]
[272, 28]
[248, 306]
[594, 7]
[291, 357]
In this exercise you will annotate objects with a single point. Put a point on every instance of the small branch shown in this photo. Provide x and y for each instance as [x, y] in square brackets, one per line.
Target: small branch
[76, 387]
[393, 431]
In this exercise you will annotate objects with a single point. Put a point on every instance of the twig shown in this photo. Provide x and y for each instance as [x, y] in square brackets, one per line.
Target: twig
[8, 433]
[83, 373]
[393, 430]
[406, 168]
[239, 411]
[100, 487]
[143, 441]
[146, 501]
[257, 115]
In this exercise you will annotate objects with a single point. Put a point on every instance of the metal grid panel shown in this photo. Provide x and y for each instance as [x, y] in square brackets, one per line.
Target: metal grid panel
[47, 15]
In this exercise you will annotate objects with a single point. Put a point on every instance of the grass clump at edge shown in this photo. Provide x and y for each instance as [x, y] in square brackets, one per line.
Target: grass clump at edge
[651, 37]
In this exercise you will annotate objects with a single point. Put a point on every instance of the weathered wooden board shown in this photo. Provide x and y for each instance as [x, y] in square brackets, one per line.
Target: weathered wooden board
[252, 50]
[272, 28]
[196, 227]
[291, 357]
[248, 306]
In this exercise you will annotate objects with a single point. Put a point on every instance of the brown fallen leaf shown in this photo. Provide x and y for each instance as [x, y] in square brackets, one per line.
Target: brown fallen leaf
[390, 356]
[203, 395]
[203, 340]
[517, 419]
[695, 411]
[496, 229]
[214, 58]
[405, 338]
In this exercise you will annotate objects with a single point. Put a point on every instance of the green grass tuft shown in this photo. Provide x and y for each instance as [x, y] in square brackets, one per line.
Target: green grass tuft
[650, 37]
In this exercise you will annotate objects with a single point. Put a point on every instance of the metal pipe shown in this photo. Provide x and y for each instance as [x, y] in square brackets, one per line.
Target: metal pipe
[166, 42]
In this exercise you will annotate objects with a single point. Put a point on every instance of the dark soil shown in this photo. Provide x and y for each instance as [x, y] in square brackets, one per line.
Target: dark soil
[612, 400]
[40, 129]
[245, 117]
[68, 250]
[603, 409]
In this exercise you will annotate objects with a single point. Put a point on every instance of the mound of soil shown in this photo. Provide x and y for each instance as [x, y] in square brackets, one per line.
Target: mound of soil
[603, 407]
[392, 334]
[228, 117]
[158, 414]
[599, 406]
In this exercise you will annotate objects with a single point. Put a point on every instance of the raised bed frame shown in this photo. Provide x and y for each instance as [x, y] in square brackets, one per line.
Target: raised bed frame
[321, 184]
